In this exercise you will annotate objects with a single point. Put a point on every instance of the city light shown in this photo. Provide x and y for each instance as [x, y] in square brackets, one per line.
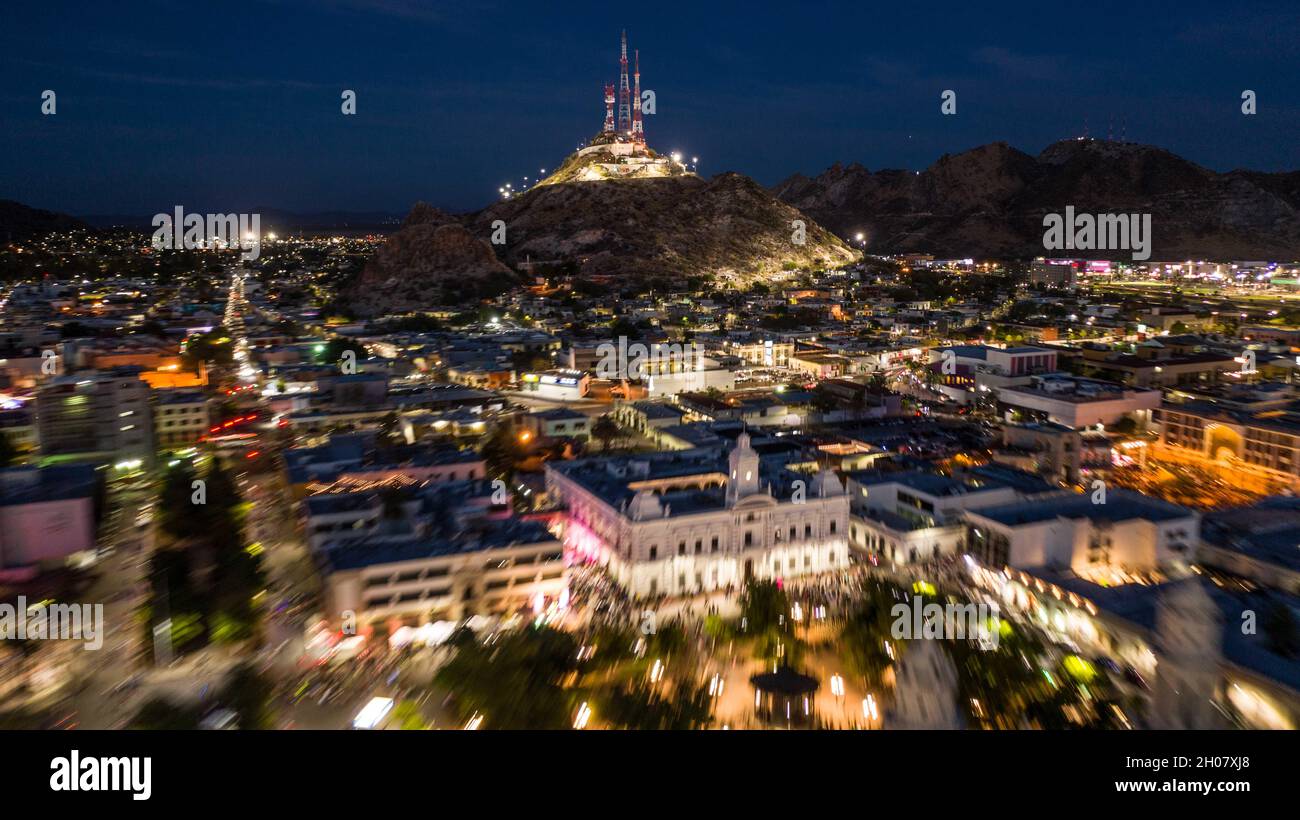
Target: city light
[583, 717]
[690, 453]
[373, 713]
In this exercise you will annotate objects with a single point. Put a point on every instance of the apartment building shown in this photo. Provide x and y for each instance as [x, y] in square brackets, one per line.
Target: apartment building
[106, 415]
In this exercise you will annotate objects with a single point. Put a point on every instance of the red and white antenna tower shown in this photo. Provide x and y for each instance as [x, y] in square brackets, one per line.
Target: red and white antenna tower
[638, 129]
[624, 103]
[609, 108]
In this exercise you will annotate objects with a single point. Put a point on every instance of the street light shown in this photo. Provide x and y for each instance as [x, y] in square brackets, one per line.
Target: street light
[584, 715]
[869, 708]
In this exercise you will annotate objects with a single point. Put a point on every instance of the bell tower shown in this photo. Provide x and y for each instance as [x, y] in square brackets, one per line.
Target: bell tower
[742, 471]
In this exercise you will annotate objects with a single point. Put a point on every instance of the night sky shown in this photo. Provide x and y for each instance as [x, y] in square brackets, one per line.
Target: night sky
[233, 106]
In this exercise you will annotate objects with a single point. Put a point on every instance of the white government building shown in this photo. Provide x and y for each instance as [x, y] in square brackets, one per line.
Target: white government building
[678, 523]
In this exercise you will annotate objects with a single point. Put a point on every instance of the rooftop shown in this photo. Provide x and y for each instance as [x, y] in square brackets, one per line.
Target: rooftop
[33, 485]
[1120, 505]
[371, 552]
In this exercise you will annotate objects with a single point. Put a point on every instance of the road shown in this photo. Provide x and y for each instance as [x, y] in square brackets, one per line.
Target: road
[91, 675]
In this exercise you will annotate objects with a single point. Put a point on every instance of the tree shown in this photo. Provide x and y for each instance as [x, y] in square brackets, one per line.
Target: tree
[407, 715]
[1280, 629]
[174, 599]
[161, 714]
[606, 430]
[333, 350]
[622, 326]
[518, 682]
[529, 361]
[501, 451]
[8, 453]
[1006, 681]
[1125, 426]
[638, 704]
[866, 629]
[179, 516]
[223, 494]
[765, 617]
[249, 695]
[208, 581]
[214, 347]
[764, 606]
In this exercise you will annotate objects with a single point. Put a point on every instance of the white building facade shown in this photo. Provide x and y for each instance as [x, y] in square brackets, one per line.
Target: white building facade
[676, 524]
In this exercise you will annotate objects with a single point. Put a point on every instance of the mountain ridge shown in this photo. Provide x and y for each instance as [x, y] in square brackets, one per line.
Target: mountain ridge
[19, 221]
[989, 202]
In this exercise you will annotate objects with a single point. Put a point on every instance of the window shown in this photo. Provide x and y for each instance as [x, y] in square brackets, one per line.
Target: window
[749, 539]
[832, 528]
[714, 545]
[807, 530]
[699, 546]
[681, 548]
[654, 553]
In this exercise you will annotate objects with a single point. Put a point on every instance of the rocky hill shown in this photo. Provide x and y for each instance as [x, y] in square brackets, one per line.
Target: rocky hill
[428, 263]
[644, 229]
[990, 202]
[727, 228]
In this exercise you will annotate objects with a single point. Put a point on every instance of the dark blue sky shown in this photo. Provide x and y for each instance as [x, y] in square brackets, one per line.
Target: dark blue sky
[227, 106]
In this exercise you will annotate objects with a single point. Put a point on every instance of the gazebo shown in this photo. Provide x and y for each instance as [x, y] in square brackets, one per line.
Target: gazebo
[785, 697]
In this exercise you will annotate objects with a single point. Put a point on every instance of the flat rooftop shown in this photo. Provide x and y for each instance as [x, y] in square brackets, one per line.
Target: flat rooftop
[1121, 505]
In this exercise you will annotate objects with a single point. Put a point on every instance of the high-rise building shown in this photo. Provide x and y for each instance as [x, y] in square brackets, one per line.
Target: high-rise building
[97, 414]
